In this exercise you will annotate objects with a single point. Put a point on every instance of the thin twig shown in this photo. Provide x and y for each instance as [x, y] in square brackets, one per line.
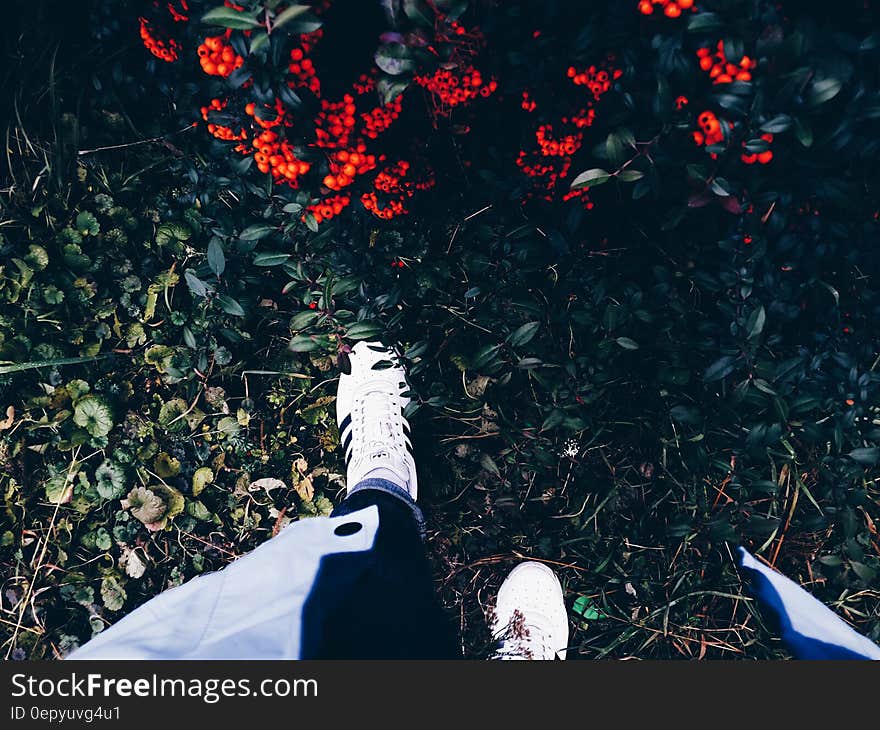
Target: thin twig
[134, 144]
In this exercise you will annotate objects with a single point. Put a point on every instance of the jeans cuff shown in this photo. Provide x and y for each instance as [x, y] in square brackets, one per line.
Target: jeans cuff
[395, 490]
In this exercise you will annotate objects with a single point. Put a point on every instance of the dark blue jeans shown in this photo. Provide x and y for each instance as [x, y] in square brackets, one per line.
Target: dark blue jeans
[379, 604]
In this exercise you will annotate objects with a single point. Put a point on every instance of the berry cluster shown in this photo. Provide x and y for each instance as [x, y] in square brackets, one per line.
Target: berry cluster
[582, 118]
[335, 122]
[277, 156]
[303, 71]
[464, 43]
[545, 173]
[166, 49]
[451, 87]
[396, 190]
[721, 70]
[598, 80]
[365, 83]
[550, 160]
[218, 130]
[550, 147]
[381, 118]
[762, 157]
[340, 127]
[345, 165]
[582, 195]
[179, 16]
[712, 132]
[327, 208]
[281, 116]
[671, 8]
[218, 58]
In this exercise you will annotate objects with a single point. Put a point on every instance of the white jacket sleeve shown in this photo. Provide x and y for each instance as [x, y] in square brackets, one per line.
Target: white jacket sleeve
[251, 609]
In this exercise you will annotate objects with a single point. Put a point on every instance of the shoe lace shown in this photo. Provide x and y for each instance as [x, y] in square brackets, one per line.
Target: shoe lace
[376, 420]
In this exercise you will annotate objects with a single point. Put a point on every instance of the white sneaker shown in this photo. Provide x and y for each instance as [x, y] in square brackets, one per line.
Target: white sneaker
[369, 411]
[530, 620]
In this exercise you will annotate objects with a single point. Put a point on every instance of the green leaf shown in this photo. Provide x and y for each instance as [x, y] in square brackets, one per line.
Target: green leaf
[170, 414]
[196, 285]
[630, 175]
[57, 362]
[229, 18]
[755, 323]
[867, 456]
[270, 258]
[555, 419]
[418, 12]
[584, 607]
[363, 330]
[390, 87]
[304, 343]
[823, 90]
[93, 414]
[345, 284]
[230, 306]
[285, 16]
[394, 59]
[166, 466]
[484, 355]
[719, 369]
[865, 572]
[590, 178]
[756, 146]
[172, 232]
[703, 22]
[216, 257]
[109, 480]
[627, 344]
[198, 510]
[614, 149]
[763, 386]
[257, 42]
[201, 478]
[777, 124]
[112, 593]
[302, 320]
[524, 334]
[803, 132]
[527, 363]
[255, 232]
[87, 224]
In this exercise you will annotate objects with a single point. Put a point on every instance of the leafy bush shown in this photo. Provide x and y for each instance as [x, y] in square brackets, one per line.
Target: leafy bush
[628, 255]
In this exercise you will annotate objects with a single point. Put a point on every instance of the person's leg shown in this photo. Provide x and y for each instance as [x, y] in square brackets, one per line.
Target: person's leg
[380, 603]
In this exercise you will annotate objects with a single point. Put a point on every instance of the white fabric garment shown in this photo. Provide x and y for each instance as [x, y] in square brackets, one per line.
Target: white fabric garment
[251, 609]
[810, 628]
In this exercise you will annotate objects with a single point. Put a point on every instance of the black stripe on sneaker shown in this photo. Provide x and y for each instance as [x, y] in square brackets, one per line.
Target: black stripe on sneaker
[345, 444]
[346, 422]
